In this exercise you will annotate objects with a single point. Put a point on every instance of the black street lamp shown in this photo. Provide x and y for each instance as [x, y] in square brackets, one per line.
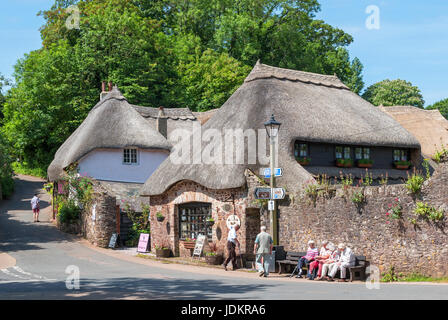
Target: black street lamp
[272, 126]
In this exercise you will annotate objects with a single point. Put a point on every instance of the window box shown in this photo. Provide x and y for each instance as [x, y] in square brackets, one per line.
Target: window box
[402, 165]
[365, 163]
[344, 163]
[304, 161]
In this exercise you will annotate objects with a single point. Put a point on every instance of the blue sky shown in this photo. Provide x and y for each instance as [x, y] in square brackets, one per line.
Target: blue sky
[411, 44]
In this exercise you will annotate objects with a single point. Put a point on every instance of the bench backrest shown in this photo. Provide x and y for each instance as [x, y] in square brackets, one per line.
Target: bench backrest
[294, 256]
[360, 261]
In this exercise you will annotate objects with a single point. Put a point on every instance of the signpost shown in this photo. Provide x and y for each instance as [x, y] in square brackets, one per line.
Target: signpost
[263, 193]
[266, 172]
[278, 193]
[199, 246]
[143, 242]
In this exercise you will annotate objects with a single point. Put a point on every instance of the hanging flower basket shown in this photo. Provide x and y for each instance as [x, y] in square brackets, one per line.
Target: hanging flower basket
[210, 223]
[160, 217]
[189, 244]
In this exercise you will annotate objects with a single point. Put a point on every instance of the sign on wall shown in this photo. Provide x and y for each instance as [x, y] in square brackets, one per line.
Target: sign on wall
[232, 220]
[199, 245]
[113, 240]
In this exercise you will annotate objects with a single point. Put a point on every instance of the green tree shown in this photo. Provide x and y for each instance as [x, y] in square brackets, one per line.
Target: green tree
[442, 106]
[394, 92]
[6, 173]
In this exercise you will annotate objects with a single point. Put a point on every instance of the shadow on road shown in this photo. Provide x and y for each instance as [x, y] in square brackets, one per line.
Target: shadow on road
[131, 288]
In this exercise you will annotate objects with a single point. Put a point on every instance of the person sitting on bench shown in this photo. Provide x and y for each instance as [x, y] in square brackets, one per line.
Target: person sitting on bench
[310, 255]
[327, 265]
[346, 260]
[324, 254]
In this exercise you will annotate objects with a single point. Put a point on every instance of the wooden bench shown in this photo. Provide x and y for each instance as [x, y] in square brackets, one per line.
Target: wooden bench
[360, 267]
[292, 258]
[355, 273]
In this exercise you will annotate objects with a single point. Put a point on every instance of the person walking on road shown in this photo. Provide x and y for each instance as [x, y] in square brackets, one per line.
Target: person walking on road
[35, 206]
[232, 242]
[263, 250]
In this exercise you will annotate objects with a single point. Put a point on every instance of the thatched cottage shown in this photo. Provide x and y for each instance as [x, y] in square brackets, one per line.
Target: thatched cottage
[119, 146]
[428, 126]
[322, 122]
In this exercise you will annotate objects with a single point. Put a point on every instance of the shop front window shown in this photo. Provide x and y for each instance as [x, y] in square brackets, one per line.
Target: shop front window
[192, 220]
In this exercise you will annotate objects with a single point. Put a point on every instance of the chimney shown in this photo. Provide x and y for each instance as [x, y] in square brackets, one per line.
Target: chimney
[103, 90]
[162, 123]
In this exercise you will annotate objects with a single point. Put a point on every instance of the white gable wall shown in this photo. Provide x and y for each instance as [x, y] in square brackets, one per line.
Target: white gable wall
[107, 164]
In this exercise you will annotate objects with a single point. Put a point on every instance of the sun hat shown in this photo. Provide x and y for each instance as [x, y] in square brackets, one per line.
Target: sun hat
[310, 242]
[341, 246]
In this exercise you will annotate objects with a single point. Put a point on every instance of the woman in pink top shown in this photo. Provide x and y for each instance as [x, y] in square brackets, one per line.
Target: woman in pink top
[324, 254]
[310, 255]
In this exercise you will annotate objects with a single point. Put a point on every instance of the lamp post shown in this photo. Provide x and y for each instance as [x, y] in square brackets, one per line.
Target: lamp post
[272, 126]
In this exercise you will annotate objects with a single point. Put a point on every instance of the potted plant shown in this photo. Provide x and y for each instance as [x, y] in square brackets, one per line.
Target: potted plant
[162, 251]
[344, 163]
[402, 165]
[189, 243]
[303, 161]
[365, 163]
[210, 222]
[160, 216]
[212, 257]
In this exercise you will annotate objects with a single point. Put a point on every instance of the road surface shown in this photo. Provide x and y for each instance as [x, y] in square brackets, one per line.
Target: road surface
[36, 260]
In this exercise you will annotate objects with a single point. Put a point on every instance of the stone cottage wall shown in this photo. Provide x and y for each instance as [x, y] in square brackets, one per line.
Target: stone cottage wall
[99, 220]
[420, 248]
[222, 207]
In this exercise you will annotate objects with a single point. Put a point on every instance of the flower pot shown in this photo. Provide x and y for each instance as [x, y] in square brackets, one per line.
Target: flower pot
[163, 253]
[189, 244]
[364, 165]
[160, 219]
[303, 163]
[401, 167]
[214, 260]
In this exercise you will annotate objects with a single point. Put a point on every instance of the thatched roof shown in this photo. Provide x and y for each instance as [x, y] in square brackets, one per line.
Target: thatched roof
[311, 107]
[428, 126]
[112, 123]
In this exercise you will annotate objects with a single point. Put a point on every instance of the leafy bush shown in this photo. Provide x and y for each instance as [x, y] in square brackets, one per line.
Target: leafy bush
[440, 155]
[68, 211]
[6, 172]
[426, 211]
[415, 182]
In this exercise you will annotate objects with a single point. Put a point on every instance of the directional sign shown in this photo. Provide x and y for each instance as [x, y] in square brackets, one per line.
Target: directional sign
[263, 193]
[266, 172]
[278, 193]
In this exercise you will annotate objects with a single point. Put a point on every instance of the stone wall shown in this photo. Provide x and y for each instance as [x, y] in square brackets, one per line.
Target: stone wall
[420, 248]
[223, 204]
[98, 221]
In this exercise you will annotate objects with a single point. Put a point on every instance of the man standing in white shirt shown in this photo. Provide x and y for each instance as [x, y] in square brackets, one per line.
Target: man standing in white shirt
[35, 206]
[346, 260]
[232, 242]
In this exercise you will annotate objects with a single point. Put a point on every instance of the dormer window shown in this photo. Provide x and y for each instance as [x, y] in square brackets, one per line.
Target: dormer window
[343, 152]
[400, 155]
[362, 153]
[130, 156]
[301, 150]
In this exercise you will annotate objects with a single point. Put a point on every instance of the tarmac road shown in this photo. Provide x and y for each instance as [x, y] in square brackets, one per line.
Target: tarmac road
[34, 258]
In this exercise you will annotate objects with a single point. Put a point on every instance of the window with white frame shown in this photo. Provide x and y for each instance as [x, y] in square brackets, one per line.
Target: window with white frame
[130, 156]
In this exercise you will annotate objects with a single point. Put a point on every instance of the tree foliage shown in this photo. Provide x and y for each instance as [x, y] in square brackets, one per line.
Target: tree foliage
[175, 53]
[442, 106]
[394, 93]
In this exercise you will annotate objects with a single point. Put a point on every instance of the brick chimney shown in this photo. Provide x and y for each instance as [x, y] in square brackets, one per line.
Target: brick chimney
[162, 123]
[103, 90]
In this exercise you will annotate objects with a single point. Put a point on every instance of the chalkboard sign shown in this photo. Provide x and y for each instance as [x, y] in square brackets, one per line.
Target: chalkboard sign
[199, 246]
[143, 242]
[113, 240]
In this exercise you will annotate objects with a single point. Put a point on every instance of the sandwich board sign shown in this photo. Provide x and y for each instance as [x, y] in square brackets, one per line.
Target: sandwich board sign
[199, 246]
[263, 193]
[113, 240]
[278, 193]
[143, 242]
[266, 172]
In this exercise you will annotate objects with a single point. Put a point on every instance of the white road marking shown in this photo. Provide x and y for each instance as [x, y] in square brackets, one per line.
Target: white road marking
[25, 275]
